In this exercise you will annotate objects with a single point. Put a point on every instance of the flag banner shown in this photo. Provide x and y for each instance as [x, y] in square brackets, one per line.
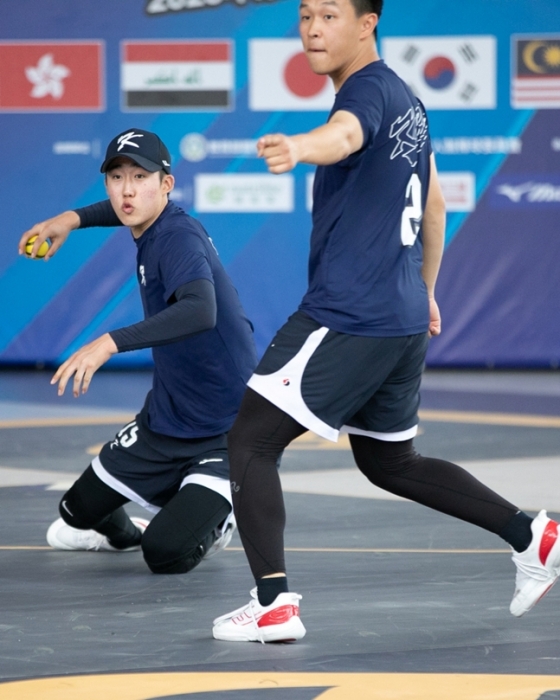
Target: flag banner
[536, 72]
[62, 76]
[177, 75]
[280, 78]
[446, 72]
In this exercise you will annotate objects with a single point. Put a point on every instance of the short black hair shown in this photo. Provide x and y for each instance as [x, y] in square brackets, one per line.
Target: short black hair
[364, 7]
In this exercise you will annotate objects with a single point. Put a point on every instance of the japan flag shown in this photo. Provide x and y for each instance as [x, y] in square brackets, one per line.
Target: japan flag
[280, 78]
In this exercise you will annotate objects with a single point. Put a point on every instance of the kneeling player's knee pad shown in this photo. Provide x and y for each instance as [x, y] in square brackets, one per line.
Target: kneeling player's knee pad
[181, 533]
[169, 551]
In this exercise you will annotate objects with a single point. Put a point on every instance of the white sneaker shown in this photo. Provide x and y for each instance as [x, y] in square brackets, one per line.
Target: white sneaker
[63, 536]
[538, 567]
[278, 622]
[223, 538]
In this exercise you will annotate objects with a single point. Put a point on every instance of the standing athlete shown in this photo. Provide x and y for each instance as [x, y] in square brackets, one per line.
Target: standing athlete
[172, 459]
[352, 355]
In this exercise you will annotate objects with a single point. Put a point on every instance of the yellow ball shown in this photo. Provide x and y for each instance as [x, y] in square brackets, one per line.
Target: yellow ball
[43, 248]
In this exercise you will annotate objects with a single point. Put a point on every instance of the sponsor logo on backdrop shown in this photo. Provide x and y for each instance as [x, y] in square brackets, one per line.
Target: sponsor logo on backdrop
[236, 192]
[159, 7]
[536, 72]
[526, 192]
[280, 78]
[177, 75]
[459, 190]
[77, 148]
[477, 145]
[196, 147]
[62, 76]
[457, 72]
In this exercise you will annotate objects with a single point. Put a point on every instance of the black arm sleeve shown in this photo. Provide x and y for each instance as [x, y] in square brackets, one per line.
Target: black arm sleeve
[98, 214]
[192, 310]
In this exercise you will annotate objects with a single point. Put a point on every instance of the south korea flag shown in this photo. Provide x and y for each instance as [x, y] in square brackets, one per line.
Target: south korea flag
[280, 78]
[453, 72]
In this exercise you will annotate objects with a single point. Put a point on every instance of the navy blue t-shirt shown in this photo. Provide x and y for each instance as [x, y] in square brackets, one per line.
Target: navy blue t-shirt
[198, 382]
[366, 244]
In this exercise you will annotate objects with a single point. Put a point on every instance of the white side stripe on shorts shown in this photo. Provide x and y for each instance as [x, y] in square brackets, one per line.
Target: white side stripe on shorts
[121, 488]
[283, 388]
[388, 437]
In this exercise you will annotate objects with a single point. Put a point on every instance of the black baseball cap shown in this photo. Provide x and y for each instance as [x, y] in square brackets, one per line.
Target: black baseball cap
[143, 147]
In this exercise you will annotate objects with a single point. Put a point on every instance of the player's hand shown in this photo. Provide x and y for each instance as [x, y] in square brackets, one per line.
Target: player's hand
[56, 229]
[434, 327]
[83, 364]
[279, 152]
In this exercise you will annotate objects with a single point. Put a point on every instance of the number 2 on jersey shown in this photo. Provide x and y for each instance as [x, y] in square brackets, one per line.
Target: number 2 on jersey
[412, 214]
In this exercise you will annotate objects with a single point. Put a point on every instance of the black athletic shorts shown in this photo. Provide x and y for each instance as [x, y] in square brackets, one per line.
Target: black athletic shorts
[149, 468]
[331, 382]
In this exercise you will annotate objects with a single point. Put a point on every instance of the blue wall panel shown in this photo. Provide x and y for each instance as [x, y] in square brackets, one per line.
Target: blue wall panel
[498, 282]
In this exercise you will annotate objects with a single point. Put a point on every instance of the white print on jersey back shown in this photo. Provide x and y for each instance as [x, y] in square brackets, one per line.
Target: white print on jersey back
[411, 133]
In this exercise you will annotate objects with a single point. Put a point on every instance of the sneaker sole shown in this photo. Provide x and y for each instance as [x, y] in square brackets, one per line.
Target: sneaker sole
[290, 631]
[528, 602]
[52, 537]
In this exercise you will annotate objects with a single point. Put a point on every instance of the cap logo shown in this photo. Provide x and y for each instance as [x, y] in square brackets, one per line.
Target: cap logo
[125, 140]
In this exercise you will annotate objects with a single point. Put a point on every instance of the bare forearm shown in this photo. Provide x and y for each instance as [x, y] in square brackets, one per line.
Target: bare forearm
[433, 231]
[325, 145]
[433, 241]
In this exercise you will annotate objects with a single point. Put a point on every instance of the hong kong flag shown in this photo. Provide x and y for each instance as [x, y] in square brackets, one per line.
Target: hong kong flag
[280, 78]
[65, 76]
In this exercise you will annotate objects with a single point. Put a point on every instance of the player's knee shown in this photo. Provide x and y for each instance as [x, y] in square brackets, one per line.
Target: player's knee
[181, 565]
[168, 555]
[379, 459]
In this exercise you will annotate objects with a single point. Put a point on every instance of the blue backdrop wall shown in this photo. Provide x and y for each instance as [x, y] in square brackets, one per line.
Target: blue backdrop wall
[211, 76]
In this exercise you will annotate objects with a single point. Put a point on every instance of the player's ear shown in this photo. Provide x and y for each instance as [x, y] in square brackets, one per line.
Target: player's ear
[369, 23]
[168, 183]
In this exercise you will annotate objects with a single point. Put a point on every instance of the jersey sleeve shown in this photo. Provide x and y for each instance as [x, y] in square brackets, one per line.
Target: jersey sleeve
[423, 122]
[98, 214]
[367, 105]
[182, 259]
[194, 311]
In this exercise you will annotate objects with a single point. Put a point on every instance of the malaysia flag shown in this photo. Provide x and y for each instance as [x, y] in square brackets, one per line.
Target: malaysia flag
[61, 76]
[536, 72]
[452, 72]
[177, 75]
[280, 78]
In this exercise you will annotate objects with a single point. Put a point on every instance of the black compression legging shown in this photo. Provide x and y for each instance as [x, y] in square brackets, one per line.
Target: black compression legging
[176, 539]
[261, 433]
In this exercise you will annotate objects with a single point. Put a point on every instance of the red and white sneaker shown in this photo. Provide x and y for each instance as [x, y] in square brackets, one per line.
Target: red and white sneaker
[538, 567]
[278, 622]
[63, 536]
